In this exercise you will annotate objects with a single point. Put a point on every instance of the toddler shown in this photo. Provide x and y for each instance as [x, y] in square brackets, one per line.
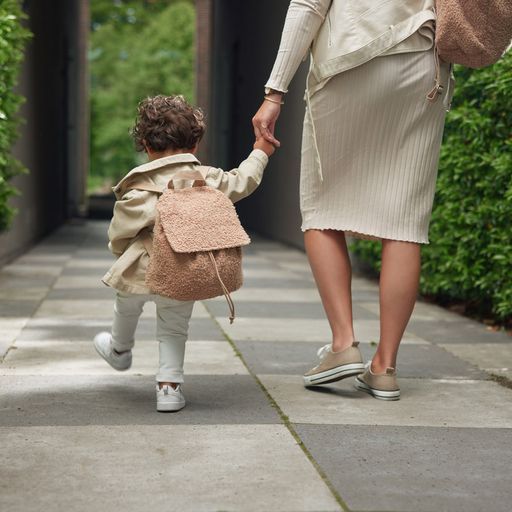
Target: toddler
[169, 130]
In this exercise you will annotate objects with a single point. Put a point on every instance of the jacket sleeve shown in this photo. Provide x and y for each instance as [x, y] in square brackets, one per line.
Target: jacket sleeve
[241, 182]
[303, 20]
[132, 213]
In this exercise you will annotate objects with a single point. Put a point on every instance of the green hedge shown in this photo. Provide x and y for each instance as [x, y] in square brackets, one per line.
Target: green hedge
[12, 40]
[469, 258]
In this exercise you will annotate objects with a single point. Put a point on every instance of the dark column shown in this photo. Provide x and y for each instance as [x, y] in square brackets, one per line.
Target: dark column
[246, 37]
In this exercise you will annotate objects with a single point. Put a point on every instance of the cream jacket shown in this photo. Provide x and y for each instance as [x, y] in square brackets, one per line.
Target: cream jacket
[134, 210]
[343, 34]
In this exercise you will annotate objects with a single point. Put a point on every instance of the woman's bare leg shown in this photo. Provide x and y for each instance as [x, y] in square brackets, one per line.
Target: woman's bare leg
[399, 279]
[330, 263]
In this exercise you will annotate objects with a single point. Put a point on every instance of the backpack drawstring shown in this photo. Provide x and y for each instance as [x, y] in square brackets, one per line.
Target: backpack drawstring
[229, 300]
[438, 87]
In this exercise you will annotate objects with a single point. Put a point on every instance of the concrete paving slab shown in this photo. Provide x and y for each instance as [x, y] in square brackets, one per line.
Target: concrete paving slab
[24, 271]
[461, 331]
[276, 252]
[415, 469]
[78, 282]
[23, 294]
[266, 472]
[80, 309]
[92, 273]
[93, 294]
[424, 403]
[494, 358]
[283, 310]
[42, 400]
[34, 259]
[80, 358]
[9, 280]
[84, 329]
[18, 308]
[301, 330]
[423, 311]
[269, 273]
[292, 358]
[274, 295]
[268, 282]
[96, 263]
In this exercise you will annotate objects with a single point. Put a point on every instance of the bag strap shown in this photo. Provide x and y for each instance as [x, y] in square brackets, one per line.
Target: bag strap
[188, 175]
[195, 175]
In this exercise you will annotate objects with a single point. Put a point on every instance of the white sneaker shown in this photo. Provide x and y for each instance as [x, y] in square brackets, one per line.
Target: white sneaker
[103, 345]
[169, 399]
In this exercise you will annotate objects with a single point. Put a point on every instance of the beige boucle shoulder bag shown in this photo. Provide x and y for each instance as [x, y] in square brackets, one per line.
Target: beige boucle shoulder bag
[474, 33]
[196, 252]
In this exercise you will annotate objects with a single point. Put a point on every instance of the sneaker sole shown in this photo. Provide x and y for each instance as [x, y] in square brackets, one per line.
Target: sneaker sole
[377, 393]
[334, 374]
[102, 355]
[174, 407]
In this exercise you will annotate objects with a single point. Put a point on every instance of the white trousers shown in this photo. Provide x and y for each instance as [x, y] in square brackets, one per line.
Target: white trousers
[172, 320]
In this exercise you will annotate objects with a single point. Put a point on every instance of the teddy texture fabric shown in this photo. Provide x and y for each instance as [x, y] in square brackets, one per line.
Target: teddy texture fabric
[135, 210]
[196, 251]
[473, 33]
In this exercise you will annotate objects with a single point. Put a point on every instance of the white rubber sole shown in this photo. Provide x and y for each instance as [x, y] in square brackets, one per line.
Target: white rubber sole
[170, 407]
[377, 393]
[334, 374]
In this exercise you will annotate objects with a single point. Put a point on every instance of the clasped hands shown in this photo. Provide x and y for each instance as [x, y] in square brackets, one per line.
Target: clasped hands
[264, 122]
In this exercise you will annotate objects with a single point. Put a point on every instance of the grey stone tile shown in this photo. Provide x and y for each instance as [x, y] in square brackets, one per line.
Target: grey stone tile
[129, 400]
[8, 280]
[285, 310]
[134, 468]
[415, 469]
[261, 282]
[495, 358]
[18, 308]
[461, 331]
[80, 358]
[205, 329]
[419, 361]
[423, 403]
[93, 272]
[80, 329]
[98, 293]
[301, 329]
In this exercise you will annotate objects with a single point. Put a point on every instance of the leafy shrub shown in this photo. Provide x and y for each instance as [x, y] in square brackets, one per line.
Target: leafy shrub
[12, 40]
[469, 258]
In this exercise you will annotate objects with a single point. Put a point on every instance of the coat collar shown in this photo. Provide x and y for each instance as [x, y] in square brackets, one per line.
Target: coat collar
[154, 165]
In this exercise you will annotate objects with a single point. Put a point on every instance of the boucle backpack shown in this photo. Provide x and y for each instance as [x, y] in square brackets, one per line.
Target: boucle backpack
[196, 252]
[474, 33]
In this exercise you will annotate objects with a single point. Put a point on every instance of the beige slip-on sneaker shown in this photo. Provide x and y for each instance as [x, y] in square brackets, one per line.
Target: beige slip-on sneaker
[382, 385]
[335, 366]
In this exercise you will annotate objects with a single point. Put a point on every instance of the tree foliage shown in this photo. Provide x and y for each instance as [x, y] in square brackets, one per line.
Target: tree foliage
[13, 37]
[470, 255]
[138, 49]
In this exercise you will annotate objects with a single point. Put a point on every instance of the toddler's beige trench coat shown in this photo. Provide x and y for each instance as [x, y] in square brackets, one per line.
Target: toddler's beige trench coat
[134, 211]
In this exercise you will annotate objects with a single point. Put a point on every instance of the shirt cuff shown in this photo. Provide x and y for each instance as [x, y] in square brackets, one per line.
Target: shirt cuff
[260, 155]
[276, 87]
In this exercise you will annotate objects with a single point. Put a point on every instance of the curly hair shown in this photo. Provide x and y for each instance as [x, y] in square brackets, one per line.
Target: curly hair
[167, 122]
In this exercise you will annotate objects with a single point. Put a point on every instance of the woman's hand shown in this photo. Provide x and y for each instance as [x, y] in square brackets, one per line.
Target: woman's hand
[264, 121]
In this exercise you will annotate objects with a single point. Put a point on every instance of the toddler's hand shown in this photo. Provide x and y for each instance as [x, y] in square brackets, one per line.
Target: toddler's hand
[265, 146]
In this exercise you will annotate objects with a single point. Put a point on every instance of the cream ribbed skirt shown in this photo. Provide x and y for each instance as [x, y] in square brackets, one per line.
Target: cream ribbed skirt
[377, 147]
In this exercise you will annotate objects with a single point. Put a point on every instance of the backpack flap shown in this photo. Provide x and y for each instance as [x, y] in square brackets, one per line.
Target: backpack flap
[200, 219]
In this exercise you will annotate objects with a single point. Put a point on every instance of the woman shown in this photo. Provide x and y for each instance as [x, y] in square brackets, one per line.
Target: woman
[376, 100]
